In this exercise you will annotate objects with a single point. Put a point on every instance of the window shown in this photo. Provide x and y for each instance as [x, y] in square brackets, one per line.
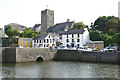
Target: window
[49, 36]
[67, 40]
[67, 45]
[47, 41]
[23, 42]
[40, 41]
[95, 43]
[28, 43]
[72, 35]
[67, 35]
[72, 40]
[78, 40]
[60, 37]
[44, 41]
[78, 35]
[53, 40]
[44, 45]
[34, 41]
[37, 41]
[50, 41]
[77, 45]
[88, 43]
[101, 43]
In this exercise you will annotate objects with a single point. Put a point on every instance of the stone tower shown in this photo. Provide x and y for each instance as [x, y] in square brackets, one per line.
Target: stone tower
[47, 19]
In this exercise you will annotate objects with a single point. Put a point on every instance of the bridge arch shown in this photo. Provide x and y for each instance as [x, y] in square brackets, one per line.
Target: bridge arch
[39, 59]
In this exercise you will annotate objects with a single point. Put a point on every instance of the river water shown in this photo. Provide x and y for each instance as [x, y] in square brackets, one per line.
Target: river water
[59, 69]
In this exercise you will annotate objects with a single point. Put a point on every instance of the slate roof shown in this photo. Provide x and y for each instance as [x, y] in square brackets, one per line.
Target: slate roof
[16, 26]
[25, 39]
[40, 37]
[60, 26]
[37, 25]
[77, 31]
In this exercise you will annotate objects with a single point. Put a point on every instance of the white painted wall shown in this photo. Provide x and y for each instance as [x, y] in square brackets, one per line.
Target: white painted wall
[82, 37]
[42, 42]
[86, 36]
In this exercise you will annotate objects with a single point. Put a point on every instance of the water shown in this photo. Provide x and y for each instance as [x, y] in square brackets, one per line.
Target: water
[59, 69]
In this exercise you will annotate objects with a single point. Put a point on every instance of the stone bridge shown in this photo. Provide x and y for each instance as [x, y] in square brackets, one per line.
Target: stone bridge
[26, 54]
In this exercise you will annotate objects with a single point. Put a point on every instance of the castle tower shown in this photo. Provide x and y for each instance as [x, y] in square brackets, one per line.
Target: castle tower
[47, 19]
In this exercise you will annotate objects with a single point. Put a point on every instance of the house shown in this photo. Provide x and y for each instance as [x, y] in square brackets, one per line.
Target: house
[97, 44]
[25, 42]
[61, 27]
[37, 28]
[43, 41]
[75, 38]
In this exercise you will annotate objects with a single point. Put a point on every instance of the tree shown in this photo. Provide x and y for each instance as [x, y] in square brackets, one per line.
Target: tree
[100, 23]
[116, 38]
[10, 32]
[111, 27]
[95, 36]
[16, 33]
[79, 25]
[28, 33]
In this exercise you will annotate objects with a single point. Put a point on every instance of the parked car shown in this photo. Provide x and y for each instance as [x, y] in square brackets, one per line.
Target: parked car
[72, 48]
[84, 49]
[101, 50]
[63, 47]
[95, 49]
[113, 48]
[108, 48]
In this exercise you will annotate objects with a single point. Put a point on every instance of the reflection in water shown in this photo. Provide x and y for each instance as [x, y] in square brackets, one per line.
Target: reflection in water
[9, 70]
[59, 69]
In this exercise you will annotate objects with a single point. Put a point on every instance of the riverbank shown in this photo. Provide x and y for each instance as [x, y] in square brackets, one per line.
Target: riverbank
[16, 55]
[100, 57]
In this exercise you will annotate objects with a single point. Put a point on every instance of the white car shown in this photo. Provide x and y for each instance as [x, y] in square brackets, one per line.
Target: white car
[84, 49]
[101, 50]
[113, 48]
[73, 48]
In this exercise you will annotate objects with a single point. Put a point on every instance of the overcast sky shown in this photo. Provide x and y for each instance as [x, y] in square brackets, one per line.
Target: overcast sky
[28, 12]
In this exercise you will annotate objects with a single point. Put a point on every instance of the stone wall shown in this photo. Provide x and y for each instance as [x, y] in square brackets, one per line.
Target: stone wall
[26, 54]
[31, 54]
[106, 57]
[8, 54]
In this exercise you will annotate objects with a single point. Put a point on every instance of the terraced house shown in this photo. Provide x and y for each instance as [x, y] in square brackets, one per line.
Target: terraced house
[43, 41]
[75, 38]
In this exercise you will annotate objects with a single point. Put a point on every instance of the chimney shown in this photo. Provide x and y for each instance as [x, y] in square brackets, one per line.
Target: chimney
[68, 20]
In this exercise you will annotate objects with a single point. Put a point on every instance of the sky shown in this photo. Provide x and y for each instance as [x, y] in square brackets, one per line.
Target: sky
[28, 12]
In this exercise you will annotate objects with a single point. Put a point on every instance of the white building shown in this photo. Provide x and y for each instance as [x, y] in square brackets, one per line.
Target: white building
[43, 41]
[75, 38]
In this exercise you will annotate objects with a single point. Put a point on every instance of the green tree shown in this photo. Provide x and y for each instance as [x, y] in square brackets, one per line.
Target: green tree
[111, 27]
[116, 38]
[28, 33]
[79, 25]
[10, 32]
[16, 33]
[95, 36]
[100, 23]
